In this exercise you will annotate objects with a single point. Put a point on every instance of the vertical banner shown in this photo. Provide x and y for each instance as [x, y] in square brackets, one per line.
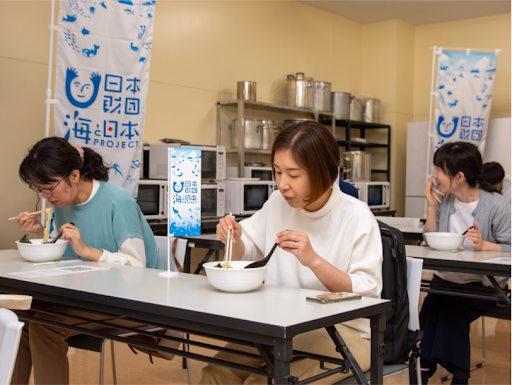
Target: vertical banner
[465, 82]
[103, 57]
[184, 204]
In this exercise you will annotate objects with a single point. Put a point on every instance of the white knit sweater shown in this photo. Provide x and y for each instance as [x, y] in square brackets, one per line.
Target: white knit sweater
[344, 232]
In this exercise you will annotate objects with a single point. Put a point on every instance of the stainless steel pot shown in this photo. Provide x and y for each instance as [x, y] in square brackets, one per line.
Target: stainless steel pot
[253, 131]
[340, 102]
[371, 110]
[299, 91]
[357, 166]
[246, 90]
[269, 133]
[356, 110]
[289, 122]
[322, 96]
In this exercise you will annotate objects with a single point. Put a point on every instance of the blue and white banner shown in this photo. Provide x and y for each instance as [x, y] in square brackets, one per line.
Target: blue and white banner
[103, 57]
[184, 169]
[465, 82]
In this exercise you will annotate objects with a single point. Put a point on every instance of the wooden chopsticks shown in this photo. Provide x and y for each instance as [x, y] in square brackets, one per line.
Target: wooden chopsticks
[440, 193]
[229, 248]
[35, 212]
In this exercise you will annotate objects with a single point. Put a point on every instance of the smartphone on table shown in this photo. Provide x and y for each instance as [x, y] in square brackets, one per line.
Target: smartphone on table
[333, 297]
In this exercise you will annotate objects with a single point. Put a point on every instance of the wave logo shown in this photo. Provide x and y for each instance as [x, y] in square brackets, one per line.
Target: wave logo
[82, 93]
[446, 128]
[178, 186]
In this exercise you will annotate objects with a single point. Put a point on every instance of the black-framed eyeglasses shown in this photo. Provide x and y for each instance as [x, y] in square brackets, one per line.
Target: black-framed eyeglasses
[47, 191]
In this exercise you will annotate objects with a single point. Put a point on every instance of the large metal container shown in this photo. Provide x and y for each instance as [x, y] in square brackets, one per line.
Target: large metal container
[322, 96]
[253, 132]
[299, 91]
[269, 133]
[357, 166]
[371, 110]
[356, 109]
[290, 122]
[340, 102]
[246, 90]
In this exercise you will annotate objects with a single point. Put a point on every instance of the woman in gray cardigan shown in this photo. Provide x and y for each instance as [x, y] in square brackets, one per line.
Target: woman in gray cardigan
[468, 201]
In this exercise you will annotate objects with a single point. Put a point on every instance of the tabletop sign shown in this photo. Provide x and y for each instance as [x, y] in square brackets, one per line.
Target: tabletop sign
[184, 197]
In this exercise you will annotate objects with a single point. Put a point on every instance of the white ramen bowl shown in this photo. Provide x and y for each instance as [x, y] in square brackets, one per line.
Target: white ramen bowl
[42, 252]
[444, 241]
[237, 279]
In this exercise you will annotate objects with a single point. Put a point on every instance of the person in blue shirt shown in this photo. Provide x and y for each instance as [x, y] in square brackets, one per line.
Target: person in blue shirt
[108, 227]
[349, 189]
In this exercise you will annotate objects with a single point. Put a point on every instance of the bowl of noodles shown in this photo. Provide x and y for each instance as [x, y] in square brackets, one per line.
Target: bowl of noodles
[37, 251]
[234, 279]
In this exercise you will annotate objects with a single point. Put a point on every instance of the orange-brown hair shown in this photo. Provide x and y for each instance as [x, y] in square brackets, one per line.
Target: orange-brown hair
[315, 150]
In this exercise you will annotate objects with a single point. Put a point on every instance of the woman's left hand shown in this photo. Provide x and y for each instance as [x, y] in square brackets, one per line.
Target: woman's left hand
[298, 244]
[475, 236]
[73, 235]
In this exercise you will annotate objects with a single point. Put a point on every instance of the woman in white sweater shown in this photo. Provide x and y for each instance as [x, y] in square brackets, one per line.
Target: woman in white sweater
[327, 241]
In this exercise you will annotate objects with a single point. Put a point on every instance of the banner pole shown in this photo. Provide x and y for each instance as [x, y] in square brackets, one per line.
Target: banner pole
[48, 99]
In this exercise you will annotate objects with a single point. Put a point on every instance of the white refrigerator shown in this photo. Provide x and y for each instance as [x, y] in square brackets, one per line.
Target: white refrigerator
[497, 149]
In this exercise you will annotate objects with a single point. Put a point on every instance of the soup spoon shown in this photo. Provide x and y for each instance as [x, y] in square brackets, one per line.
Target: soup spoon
[54, 240]
[261, 262]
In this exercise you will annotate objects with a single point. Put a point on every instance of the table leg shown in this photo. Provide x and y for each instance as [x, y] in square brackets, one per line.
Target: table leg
[343, 349]
[205, 259]
[283, 354]
[378, 325]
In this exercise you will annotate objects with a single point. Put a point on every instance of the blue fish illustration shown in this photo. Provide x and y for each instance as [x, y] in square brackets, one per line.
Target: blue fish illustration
[118, 169]
[134, 47]
[443, 67]
[92, 9]
[103, 4]
[150, 2]
[177, 213]
[69, 18]
[128, 11]
[85, 31]
[450, 92]
[479, 99]
[127, 2]
[142, 59]
[90, 52]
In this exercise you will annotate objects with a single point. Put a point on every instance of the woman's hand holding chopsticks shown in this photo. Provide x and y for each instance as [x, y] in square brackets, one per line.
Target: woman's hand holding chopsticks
[30, 223]
[228, 225]
[430, 193]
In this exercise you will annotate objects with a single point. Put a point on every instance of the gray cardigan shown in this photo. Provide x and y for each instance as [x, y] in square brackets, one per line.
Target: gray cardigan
[492, 214]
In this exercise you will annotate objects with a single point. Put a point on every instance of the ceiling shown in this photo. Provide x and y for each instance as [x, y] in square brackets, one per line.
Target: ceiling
[415, 12]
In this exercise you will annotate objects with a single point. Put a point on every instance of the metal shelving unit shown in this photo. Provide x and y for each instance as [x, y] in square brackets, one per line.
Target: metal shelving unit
[260, 108]
[349, 142]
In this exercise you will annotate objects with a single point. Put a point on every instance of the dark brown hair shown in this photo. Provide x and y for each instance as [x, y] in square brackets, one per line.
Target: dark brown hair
[455, 157]
[55, 157]
[315, 150]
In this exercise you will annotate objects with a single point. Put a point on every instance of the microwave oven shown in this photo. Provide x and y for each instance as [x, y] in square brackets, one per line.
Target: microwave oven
[213, 160]
[152, 199]
[247, 197]
[264, 173]
[375, 194]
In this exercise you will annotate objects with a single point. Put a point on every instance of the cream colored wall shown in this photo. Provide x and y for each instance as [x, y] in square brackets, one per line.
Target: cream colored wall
[200, 51]
[388, 64]
[489, 32]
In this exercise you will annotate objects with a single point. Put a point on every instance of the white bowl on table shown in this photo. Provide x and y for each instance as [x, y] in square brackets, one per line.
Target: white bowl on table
[444, 241]
[237, 279]
[37, 251]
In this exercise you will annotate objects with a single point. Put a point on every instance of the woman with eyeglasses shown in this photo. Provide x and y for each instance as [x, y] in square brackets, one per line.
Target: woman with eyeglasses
[109, 227]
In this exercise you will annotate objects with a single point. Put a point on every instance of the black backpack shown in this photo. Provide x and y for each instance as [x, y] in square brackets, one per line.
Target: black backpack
[394, 287]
